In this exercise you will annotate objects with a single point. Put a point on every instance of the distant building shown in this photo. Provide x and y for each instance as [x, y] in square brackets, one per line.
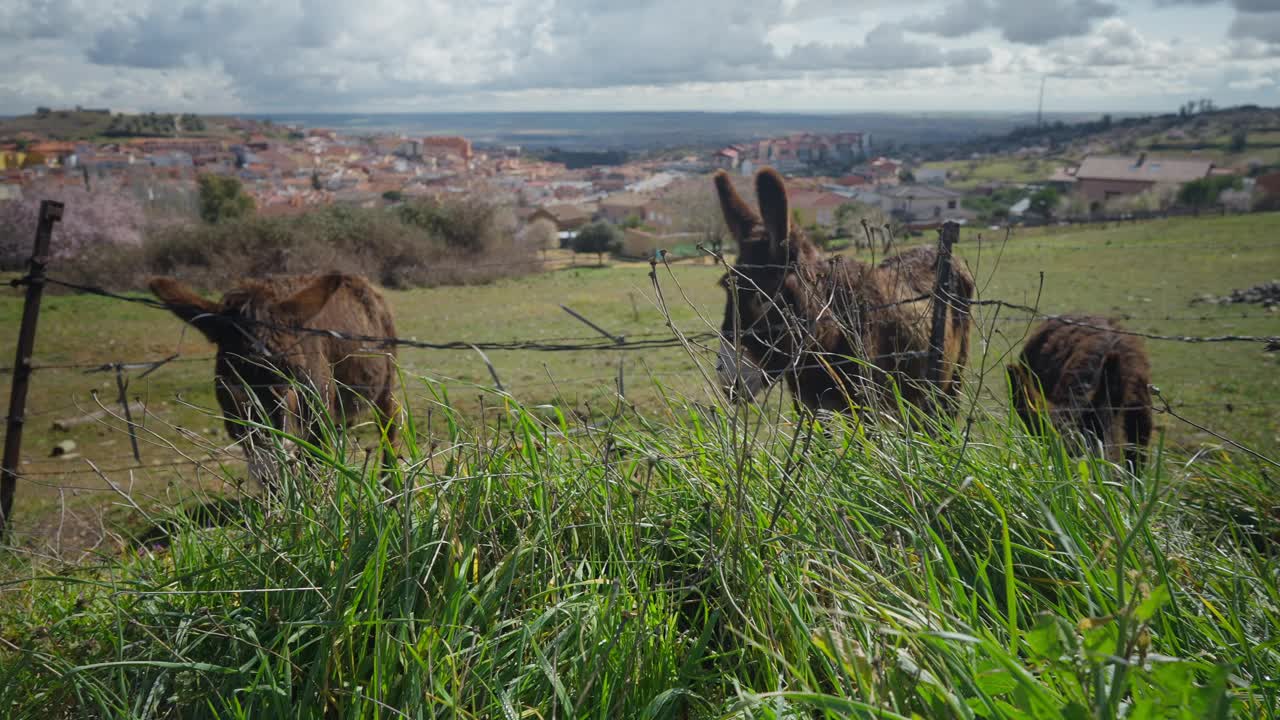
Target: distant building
[1100, 178]
[921, 203]
[727, 158]
[567, 218]
[617, 208]
[815, 208]
[447, 145]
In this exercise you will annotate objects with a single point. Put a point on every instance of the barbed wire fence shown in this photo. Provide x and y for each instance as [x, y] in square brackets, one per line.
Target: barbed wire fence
[602, 341]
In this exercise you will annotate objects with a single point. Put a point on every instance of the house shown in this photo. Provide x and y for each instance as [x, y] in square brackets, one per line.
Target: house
[921, 203]
[617, 208]
[727, 158]
[447, 145]
[884, 171]
[1100, 178]
[815, 207]
[1062, 179]
[567, 218]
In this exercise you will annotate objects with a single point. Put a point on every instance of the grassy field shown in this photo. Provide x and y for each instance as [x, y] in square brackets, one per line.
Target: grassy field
[1146, 274]
[672, 562]
[967, 174]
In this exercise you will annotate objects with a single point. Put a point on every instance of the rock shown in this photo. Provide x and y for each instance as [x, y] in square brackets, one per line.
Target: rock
[65, 448]
[1265, 294]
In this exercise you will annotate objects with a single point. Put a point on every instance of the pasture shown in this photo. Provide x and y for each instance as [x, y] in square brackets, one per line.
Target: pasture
[667, 564]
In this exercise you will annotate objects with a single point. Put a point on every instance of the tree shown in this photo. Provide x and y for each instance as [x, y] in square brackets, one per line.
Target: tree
[393, 196]
[1204, 192]
[599, 237]
[105, 218]
[541, 234]
[223, 198]
[1239, 141]
[1044, 202]
[846, 216]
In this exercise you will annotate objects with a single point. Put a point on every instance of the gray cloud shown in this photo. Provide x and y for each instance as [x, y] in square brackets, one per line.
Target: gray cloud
[312, 51]
[1030, 22]
[1241, 5]
[1259, 26]
[322, 55]
[886, 48]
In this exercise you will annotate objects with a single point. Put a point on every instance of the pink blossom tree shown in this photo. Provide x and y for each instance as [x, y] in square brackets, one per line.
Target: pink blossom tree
[91, 220]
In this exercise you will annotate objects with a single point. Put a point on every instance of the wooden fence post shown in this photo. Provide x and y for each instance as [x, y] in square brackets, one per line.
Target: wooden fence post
[942, 292]
[50, 213]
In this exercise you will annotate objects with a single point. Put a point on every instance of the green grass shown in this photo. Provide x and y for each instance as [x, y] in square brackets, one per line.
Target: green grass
[705, 567]
[966, 174]
[1149, 271]
[666, 560]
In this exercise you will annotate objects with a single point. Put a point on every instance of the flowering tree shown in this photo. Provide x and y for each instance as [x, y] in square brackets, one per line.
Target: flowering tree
[103, 217]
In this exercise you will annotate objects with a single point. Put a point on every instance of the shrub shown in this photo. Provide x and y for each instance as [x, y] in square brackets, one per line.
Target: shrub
[1204, 192]
[376, 243]
[223, 198]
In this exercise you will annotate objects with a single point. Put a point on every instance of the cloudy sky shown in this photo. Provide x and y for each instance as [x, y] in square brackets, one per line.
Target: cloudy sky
[771, 55]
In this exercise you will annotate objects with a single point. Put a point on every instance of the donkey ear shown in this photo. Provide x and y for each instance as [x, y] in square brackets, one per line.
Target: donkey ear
[186, 304]
[310, 300]
[737, 214]
[772, 194]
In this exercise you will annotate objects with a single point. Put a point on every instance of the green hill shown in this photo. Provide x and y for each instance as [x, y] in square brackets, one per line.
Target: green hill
[82, 124]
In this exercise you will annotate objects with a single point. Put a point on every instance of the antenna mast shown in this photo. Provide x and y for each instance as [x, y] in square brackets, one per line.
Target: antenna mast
[1040, 104]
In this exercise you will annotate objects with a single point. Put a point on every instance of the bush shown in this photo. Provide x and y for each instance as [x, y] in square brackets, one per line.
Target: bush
[599, 237]
[467, 224]
[223, 198]
[1204, 192]
[376, 243]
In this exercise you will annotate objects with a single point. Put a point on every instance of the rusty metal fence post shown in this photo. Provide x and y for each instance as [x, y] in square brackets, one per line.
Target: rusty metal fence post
[50, 213]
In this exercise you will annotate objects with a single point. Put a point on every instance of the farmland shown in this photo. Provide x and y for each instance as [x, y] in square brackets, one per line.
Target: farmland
[667, 562]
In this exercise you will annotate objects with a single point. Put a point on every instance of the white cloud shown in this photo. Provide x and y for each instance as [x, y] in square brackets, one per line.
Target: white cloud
[229, 55]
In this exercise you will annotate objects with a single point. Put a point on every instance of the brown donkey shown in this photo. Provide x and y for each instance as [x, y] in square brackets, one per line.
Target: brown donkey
[1089, 382]
[260, 353]
[838, 330]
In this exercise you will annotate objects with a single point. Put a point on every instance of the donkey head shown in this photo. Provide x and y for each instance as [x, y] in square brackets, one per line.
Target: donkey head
[258, 352]
[762, 322]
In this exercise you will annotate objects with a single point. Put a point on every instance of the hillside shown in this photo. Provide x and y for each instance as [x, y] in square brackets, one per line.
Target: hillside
[81, 124]
[1232, 137]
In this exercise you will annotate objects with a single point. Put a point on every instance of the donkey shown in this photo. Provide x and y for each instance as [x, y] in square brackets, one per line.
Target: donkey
[839, 331]
[263, 353]
[1089, 382]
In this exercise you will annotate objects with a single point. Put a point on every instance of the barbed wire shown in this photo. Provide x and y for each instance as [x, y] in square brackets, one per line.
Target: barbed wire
[532, 345]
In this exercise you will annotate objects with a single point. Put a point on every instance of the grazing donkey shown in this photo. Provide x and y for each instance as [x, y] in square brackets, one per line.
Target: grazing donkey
[261, 353]
[1089, 382]
[837, 330]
